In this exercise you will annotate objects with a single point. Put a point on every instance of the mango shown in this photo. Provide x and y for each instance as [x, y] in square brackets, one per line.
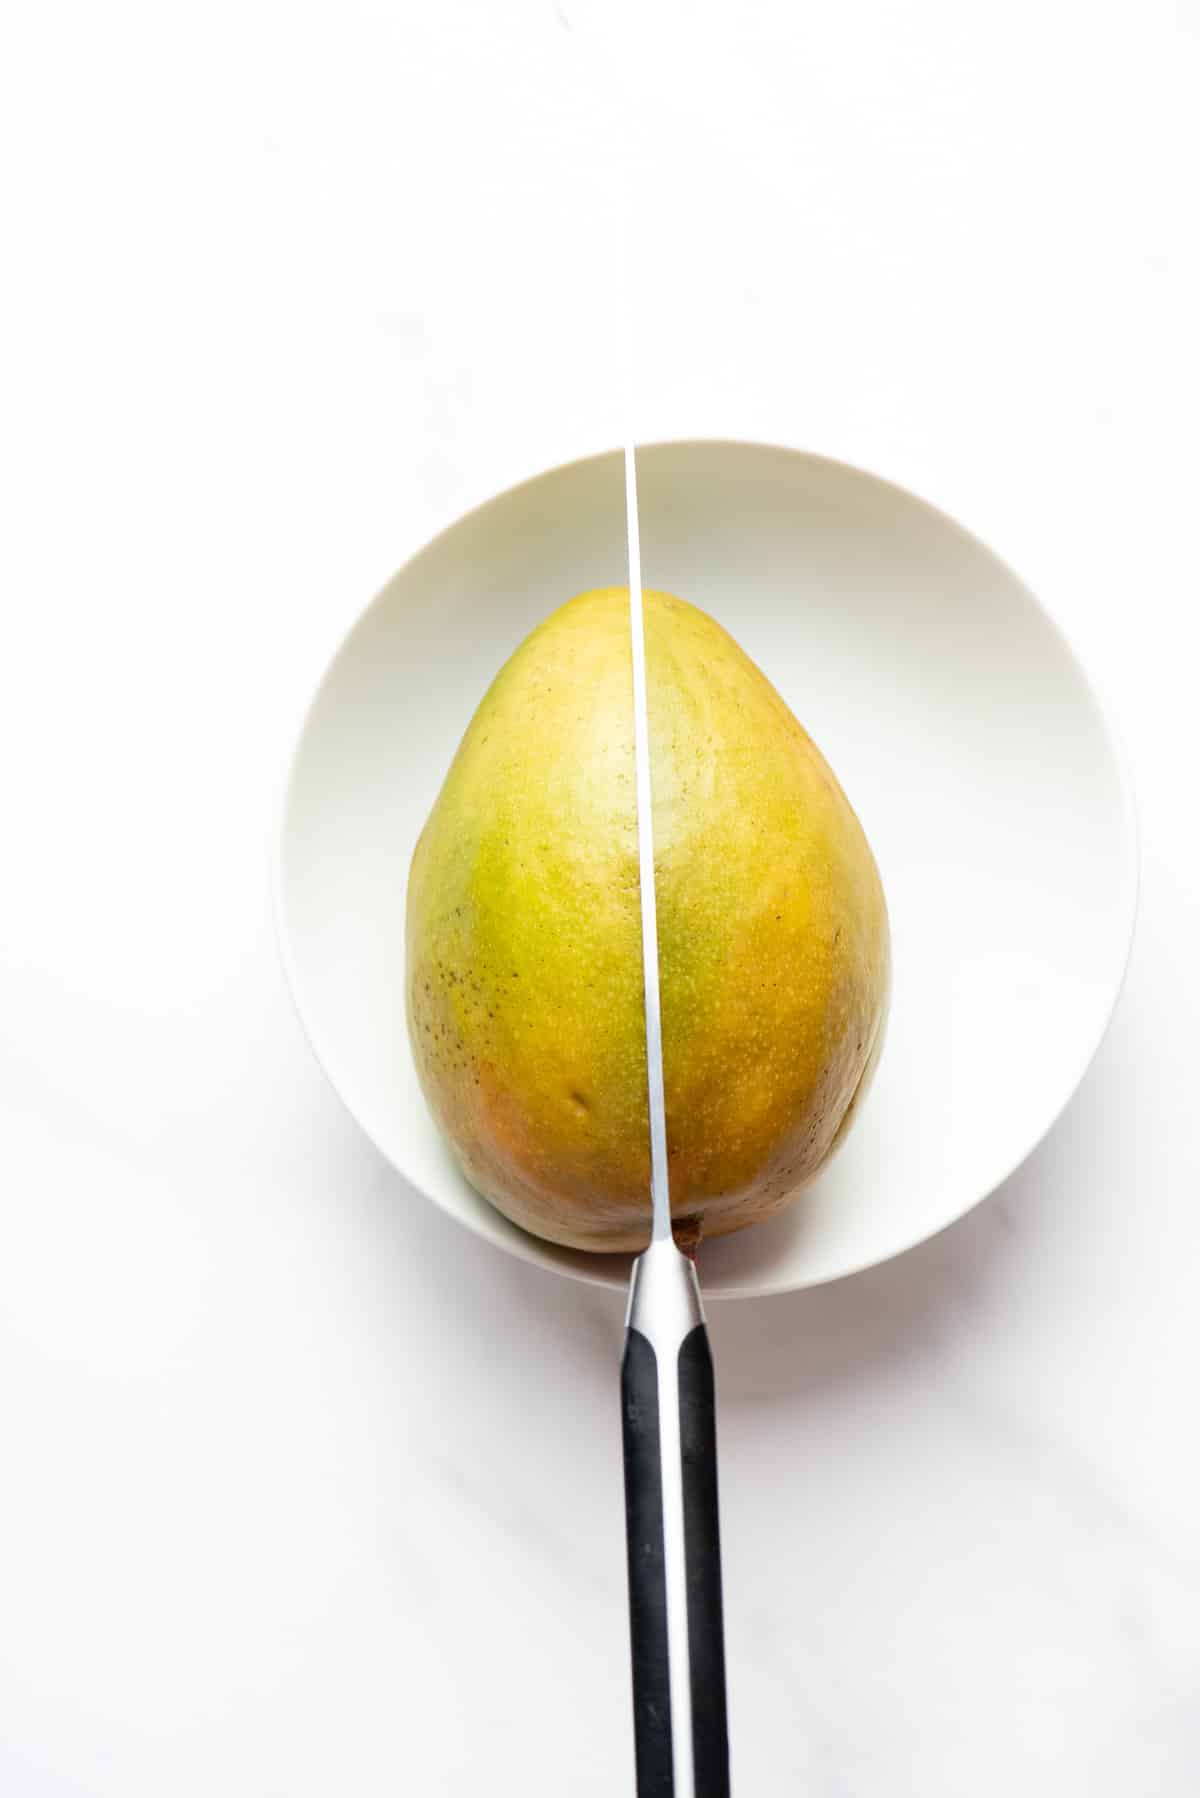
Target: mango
[524, 971]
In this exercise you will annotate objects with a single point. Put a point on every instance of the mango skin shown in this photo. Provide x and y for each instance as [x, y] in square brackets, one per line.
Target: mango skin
[524, 973]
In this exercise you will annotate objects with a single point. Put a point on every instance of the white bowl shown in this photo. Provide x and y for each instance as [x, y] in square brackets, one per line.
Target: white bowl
[953, 712]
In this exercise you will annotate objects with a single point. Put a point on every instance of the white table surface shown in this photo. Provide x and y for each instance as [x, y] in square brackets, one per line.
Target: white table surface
[302, 1490]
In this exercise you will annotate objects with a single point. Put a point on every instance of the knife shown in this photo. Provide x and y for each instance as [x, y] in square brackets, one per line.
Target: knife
[668, 1403]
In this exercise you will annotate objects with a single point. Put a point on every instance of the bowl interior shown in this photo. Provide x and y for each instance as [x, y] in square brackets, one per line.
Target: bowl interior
[951, 709]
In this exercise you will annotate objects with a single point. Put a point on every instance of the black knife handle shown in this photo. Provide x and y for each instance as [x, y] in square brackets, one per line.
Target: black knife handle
[673, 1539]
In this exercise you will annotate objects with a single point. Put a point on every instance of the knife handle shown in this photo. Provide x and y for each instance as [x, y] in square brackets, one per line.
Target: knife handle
[673, 1540]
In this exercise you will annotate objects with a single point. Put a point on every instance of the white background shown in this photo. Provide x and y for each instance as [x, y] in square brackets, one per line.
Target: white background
[303, 1490]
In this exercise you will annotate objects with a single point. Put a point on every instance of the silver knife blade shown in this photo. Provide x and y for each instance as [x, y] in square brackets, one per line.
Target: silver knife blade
[659, 1185]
